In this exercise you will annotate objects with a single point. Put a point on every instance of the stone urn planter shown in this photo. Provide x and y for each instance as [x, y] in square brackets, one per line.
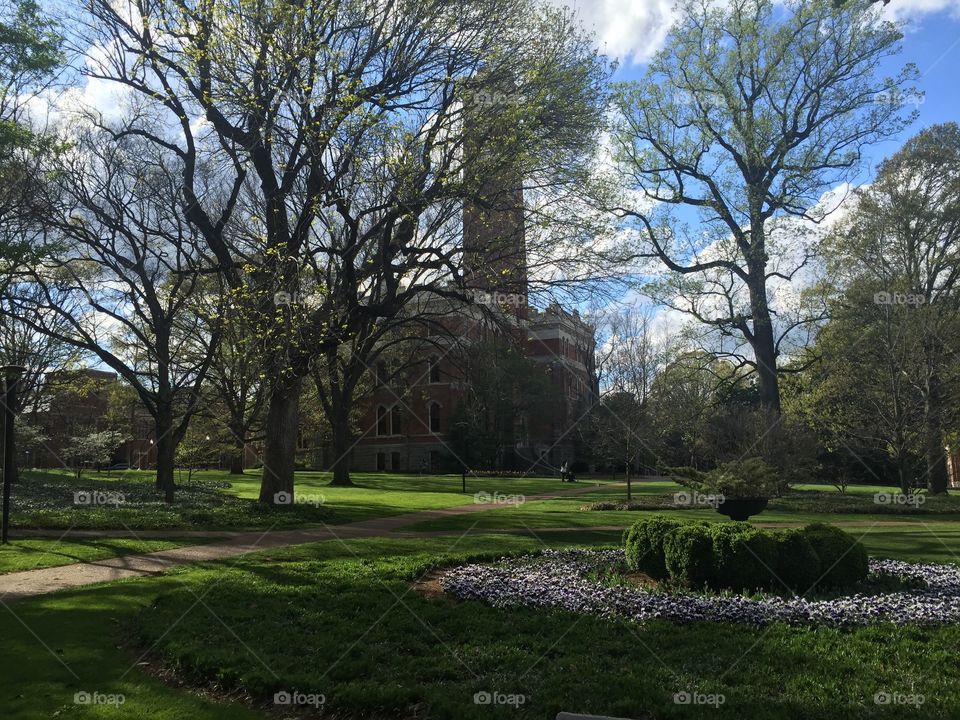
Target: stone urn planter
[742, 508]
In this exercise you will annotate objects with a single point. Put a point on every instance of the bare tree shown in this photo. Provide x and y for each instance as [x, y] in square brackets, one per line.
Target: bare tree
[305, 108]
[749, 113]
[122, 284]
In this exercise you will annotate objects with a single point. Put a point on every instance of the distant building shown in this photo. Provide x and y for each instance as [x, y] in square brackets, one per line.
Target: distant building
[79, 402]
[953, 466]
[406, 424]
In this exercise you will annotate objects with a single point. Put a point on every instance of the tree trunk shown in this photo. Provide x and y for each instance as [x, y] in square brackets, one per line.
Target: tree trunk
[342, 441]
[166, 449]
[933, 436]
[240, 448]
[905, 488]
[280, 442]
[763, 344]
[236, 462]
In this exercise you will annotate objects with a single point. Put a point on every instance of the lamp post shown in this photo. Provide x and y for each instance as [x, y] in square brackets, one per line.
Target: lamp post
[11, 375]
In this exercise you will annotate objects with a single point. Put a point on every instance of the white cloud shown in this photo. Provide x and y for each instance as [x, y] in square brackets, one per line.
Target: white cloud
[907, 10]
[631, 30]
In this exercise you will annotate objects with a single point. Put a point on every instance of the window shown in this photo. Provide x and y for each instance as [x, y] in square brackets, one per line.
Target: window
[434, 412]
[382, 421]
[434, 369]
[381, 461]
[396, 420]
[395, 462]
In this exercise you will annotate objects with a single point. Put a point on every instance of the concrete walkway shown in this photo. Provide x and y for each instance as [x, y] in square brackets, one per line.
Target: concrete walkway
[14, 586]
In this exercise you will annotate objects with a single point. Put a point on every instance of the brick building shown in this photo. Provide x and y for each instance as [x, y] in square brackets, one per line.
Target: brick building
[79, 402]
[409, 417]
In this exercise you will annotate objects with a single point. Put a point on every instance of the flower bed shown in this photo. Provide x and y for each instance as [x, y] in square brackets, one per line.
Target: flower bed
[561, 580]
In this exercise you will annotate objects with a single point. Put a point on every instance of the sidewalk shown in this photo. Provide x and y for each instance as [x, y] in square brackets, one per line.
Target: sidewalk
[14, 586]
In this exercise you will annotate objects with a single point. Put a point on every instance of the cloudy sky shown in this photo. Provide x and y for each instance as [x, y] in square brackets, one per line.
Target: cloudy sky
[632, 30]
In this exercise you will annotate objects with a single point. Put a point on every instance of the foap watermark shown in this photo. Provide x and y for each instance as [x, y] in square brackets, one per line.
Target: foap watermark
[898, 298]
[685, 498]
[283, 298]
[685, 697]
[496, 298]
[912, 500]
[896, 697]
[295, 697]
[495, 697]
[285, 498]
[899, 97]
[86, 697]
[498, 498]
[486, 99]
[98, 497]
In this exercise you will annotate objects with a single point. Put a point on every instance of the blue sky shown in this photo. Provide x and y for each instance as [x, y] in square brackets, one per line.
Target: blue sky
[632, 30]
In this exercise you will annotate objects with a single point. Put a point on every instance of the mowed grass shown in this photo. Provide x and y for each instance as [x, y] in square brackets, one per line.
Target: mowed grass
[379, 494]
[36, 553]
[344, 621]
[217, 500]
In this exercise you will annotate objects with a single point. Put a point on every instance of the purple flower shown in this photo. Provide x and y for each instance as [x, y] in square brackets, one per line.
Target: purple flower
[561, 579]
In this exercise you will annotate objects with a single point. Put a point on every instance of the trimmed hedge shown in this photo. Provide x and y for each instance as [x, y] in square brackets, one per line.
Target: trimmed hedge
[744, 557]
[843, 560]
[688, 555]
[738, 556]
[798, 565]
[644, 545]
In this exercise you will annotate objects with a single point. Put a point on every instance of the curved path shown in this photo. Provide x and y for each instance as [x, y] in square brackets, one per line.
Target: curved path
[14, 586]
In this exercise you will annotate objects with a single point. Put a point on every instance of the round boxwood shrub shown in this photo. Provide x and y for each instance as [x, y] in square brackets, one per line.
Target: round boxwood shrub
[744, 558]
[688, 555]
[798, 565]
[644, 545]
[843, 560]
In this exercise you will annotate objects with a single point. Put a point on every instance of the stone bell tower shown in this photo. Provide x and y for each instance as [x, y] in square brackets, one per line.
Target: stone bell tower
[494, 242]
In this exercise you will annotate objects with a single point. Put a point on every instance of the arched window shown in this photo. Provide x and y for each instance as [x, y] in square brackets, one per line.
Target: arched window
[434, 369]
[396, 420]
[434, 412]
[382, 421]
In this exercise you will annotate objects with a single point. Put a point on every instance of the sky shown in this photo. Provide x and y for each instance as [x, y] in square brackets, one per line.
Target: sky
[633, 30]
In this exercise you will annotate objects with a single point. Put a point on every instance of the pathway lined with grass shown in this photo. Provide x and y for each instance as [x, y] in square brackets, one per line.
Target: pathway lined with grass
[47, 580]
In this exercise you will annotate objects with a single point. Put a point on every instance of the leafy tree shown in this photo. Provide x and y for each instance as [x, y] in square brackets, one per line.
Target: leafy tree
[861, 395]
[505, 393]
[620, 423]
[747, 115]
[95, 449]
[30, 51]
[335, 127]
[903, 240]
[123, 285]
[235, 386]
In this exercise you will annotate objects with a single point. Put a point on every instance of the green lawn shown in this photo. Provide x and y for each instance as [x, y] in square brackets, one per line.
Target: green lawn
[36, 553]
[217, 500]
[379, 494]
[341, 620]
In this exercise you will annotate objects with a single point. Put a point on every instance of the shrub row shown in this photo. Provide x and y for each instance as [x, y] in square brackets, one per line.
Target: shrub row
[738, 556]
